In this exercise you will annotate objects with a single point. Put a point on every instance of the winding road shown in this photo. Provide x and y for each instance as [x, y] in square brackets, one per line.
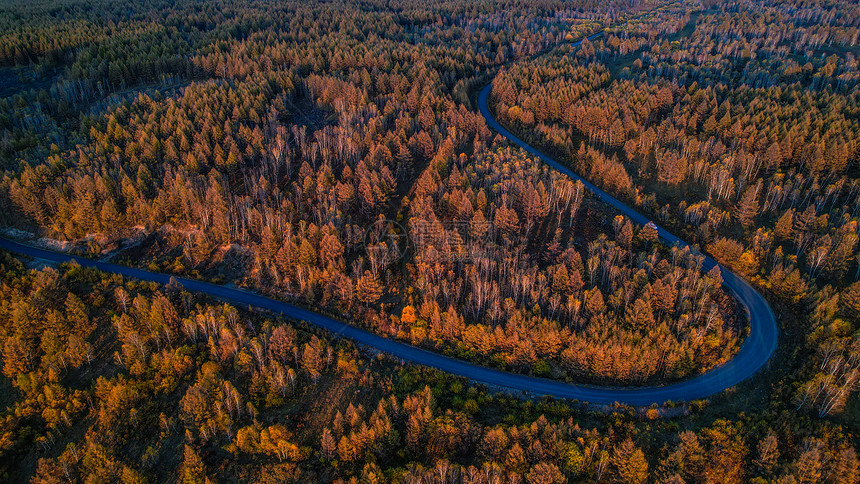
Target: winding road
[753, 355]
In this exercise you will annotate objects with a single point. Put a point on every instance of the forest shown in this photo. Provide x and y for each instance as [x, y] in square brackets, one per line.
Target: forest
[274, 171]
[115, 380]
[754, 157]
[257, 144]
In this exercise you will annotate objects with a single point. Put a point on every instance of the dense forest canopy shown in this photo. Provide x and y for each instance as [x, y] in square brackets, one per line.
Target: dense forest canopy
[278, 152]
[736, 124]
[258, 143]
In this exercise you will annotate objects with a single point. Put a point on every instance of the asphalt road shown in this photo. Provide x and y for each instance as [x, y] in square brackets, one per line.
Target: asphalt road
[753, 355]
[755, 352]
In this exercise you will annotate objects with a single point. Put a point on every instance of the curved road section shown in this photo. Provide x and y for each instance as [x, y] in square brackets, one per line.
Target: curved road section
[756, 350]
[754, 353]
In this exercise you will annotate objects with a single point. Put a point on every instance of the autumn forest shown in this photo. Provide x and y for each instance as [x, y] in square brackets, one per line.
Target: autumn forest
[332, 155]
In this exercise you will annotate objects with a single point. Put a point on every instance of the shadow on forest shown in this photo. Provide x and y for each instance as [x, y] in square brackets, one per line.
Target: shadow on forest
[16, 79]
[304, 112]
